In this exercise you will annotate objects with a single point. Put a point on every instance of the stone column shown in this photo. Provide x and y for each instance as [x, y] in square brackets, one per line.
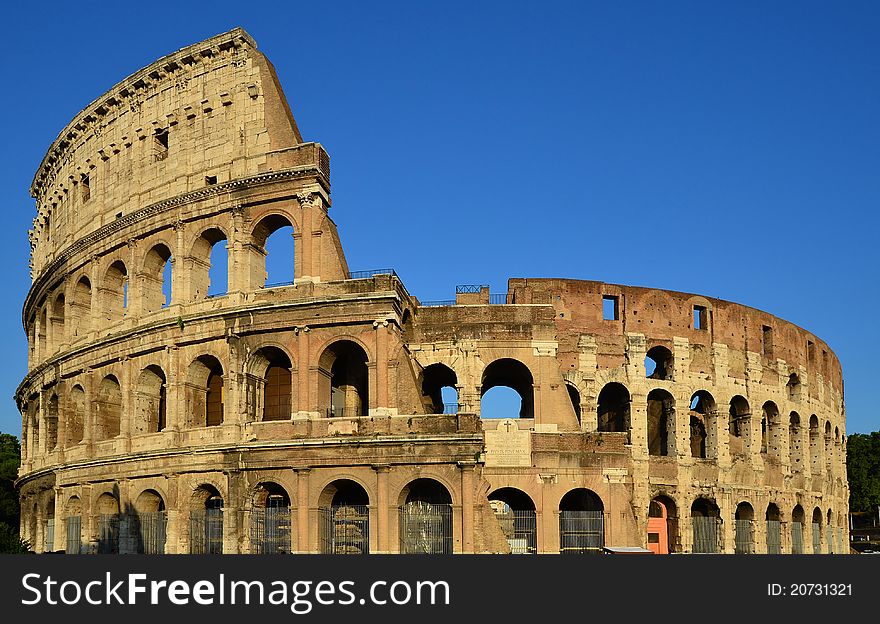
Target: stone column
[302, 510]
[467, 506]
[382, 508]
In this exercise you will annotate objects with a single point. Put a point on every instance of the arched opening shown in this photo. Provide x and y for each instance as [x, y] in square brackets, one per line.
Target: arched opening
[344, 380]
[57, 321]
[796, 450]
[114, 292]
[739, 427]
[829, 448]
[73, 526]
[507, 388]
[425, 518]
[663, 537]
[49, 533]
[575, 397]
[156, 279]
[33, 420]
[614, 408]
[81, 309]
[829, 533]
[815, 447]
[271, 523]
[108, 524]
[774, 530]
[797, 530]
[774, 429]
[209, 275]
[43, 336]
[702, 423]
[661, 423]
[793, 386]
[581, 523]
[76, 416]
[659, 363]
[515, 513]
[108, 409]
[270, 385]
[150, 523]
[272, 258]
[345, 518]
[205, 392]
[706, 522]
[816, 531]
[51, 422]
[150, 401]
[744, 541]
[206, 521]
[439, 392]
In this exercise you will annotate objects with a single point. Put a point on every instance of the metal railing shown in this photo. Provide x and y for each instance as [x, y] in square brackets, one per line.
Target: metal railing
[275, 285]
[370, 273]
[345, 530]
[521, 530]
[817, 538]
[344, 412]
[108, 534]
[797, 538]
[581, 532]
[744, 543]
[829, 537]
[270, 531]
[426, 528]
[206, 532]
[150, 529]
[73, 526]
[501, 299]
[706, 534]
[49, 544]
[450, 408]
[774, 537]
[437, 303]
[469, 288]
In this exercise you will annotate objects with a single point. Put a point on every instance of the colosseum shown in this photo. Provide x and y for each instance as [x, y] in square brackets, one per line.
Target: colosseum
[168, 411]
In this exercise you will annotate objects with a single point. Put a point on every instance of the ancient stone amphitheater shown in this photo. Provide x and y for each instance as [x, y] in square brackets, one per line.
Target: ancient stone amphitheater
[336, 413]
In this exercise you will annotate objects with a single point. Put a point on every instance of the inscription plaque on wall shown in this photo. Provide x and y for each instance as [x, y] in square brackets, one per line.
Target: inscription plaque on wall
[507, 446]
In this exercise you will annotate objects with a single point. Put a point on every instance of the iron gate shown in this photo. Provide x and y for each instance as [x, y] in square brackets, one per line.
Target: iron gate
[745, 543]
[797, 538]
[49, 546]
[426, 528]
[774, 537]
[705, 534]
[206, 532]
[345, 530]
[521, 530]
[270, 530]
[817, 538]
[74, 535]
[108, 534]
[581, 532]
[151, 528]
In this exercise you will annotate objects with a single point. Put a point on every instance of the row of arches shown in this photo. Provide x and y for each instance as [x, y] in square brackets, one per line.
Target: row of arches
[122, 284]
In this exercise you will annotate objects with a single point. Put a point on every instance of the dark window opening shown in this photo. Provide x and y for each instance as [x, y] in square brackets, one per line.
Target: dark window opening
[161, 144]
[701, 320]
[658, 363]
[210, 180]
[610, 307]
[614, 408]
[811, 354]
[766, 341]
[439, 393]
[85, 188]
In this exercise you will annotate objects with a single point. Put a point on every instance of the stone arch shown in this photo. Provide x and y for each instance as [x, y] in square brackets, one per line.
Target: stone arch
[268, 225]
[744, 537]
[114, 292]
[706, 522]
[435, 381]
[771, 426]
[57, 320]
[796, 442]
[797, 530]
[75, 415]
[515, 513]
[271, 520]
[343, 379]
[793, 387]
[513, 374]
[574, 396]
[816, 530]
[73, 525]
[51, 422]
[107, 507]
[663, 534]
[270, 384]
[739, 426]
[205, 392]
[81, 308]
[108, 409]
[149, 523]
[206, 520]
[613, 407]
[773, 518]
[661, 423]
[153, 276]
[703, 439]
[203, 260]
[344, 505]
[659, 363]
[815, 446]
[581, 522]
[151, 401]
[426, 523]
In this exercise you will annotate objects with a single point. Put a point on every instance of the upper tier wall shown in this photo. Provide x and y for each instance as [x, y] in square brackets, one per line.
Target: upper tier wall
[209, 113]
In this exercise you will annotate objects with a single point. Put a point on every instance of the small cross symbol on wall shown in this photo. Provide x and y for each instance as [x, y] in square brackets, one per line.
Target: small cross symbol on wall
[508, 424]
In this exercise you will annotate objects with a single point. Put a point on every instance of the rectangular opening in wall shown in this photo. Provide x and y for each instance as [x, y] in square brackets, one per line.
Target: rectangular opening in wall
[210, 180]
[701, 318]
[811, 354]
[610, 308]
[160, 144]
[824, 362]
[85, 189]
[766, 341]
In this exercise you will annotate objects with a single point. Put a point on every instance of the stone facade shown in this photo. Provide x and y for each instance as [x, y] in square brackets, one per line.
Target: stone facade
[310, 416]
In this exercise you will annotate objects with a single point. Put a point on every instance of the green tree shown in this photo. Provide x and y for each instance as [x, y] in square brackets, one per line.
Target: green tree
[863, 471]
[10, 459]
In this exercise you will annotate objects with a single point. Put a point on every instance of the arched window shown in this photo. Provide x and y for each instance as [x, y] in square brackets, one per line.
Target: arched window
[702, 421]
[439, 393]
[58, 327]
[829, 448]
[745, 529]
[774, 530]
[614, 408]
[270, 520]
[575, 397]
[659, 363]
[663, 537]
[739, 427]
[816, 531]
[507, 390]
[815, 447]
[114, 292]
[344, 380]
[210, 265]
[205, 392]
[797, 530]
[515, 512]
[108, 524]
[425, 518]
[706, 523]
[796, 441]
[794, 387]
[76, 415]
[773, 429]
[81, 308]
[345, 519]
[272, 384]
[661, 423]
[73, 526]
[273, 252]
[151, 401]
[51, 422]
[156, 279]
[108, 409]
[206, 522]
[581, 523]
[150, 523]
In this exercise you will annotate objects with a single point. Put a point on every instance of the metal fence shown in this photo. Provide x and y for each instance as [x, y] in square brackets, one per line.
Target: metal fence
[436, 303]
[501, 299]
[150, 530]
[74, 535]
[426, 528]
[817, 538]
[469, 288]
[270, 531]
[344, 412]
[774, 537]
[370, 273]
[206, 532]
[581, 532]
[840, 541]
[745, 541]
[706, 534]
[521, 530]
[49, 545]
[829, 537]
[797, 538]
[345, 530]
[108, 534]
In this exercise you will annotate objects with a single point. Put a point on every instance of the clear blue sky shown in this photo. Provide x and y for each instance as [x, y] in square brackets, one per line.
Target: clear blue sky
[729, 149]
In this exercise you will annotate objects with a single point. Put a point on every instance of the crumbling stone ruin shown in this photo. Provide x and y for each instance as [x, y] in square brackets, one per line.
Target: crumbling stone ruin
[336, 412]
